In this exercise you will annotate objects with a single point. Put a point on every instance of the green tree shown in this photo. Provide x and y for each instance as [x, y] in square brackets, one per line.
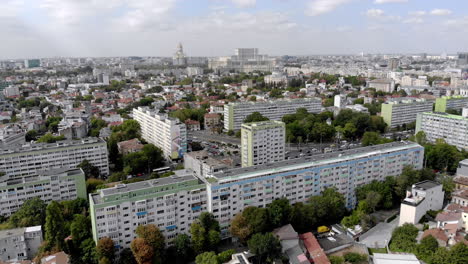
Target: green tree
[183, 248]
[88, 251]
[31, 213]
[225, 256]
[154, 156]
[80, 229]
[353, 257]
[336, 260]
[404, 238]
[426, 248]
[279, 212]
[49, 138]
[31, 135]
[255, 117]
[89, 169]
[265, 247]
[198, 233]
[54, 229]
[257, 219]
[207, 258]
[126, 257]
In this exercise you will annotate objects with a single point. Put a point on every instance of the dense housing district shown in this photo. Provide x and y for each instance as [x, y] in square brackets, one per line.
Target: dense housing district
[249, 158]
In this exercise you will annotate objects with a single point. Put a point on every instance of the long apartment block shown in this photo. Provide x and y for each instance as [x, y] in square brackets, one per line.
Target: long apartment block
[235, 113]
[51, 185]
[173, 203]
[451, 128]
[169, 134]
[229, 192]
[450, 102]
[401, 111]
[27, 160]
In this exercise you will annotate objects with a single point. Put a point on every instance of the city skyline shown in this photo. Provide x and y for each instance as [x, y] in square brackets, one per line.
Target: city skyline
[94, 28]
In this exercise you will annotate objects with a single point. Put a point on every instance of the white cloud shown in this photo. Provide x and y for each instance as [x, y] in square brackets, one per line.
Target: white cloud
[375, 13]
[441, 12]
[319, 7]
[417, 13]
[414, 20]
[244, 3]
[11, 8]
[389, 1]
[253, 22]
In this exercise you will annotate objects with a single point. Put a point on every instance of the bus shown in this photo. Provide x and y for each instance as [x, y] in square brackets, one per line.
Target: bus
[162, 170]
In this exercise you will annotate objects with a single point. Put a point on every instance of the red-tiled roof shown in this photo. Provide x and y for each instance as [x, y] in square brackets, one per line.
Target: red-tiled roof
[438, 234]
[315, 250]
[448, 216]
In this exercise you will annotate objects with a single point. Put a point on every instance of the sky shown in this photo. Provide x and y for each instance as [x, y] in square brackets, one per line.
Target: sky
[101, 28]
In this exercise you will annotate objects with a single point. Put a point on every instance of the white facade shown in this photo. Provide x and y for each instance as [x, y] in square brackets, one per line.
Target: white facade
[451, 128]
[340, 100]
[276, 78]
[384, 85]
[20, 243]
[27, 160]
[235, 113]
[11, 91]
[51, 185]
[424, 196]
[173, 203]
[262, 142]
[170, 135]
[397, 112]
[229, 192]
[170, 203]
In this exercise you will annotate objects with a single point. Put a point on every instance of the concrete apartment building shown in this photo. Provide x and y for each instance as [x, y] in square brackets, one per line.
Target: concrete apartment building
[444, 103]
[235, 113]
[27, 160]
[51, 185]
[397, 112]
[384, 85]
[229, 192]
[173, 203]
[20, 243]
[202, 163]
[170, 203]
[451, 128]
[424, 196]
[244, 60]
[262, 142]
[169, 134]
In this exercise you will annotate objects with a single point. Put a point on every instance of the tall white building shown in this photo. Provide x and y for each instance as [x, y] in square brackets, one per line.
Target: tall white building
[179, 58]
[235, 113]
[169, 134]
[20, 243]
[424, 196]
[170, 203]
[453, 129]
[262, 142]
[29, 159]
[50, 185]
[340, 100]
